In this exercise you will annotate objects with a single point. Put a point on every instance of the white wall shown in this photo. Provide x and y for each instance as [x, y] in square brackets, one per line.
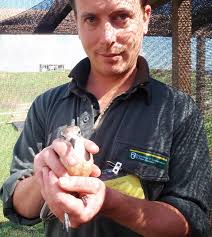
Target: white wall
[24, 53]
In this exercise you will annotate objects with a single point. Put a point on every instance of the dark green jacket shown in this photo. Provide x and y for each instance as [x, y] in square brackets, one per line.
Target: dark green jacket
[151, 118]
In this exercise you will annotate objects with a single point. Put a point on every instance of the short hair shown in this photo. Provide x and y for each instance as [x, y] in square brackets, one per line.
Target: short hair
[73, 4]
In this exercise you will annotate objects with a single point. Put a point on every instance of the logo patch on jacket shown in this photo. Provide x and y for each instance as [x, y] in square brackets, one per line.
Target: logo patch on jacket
[148, 158]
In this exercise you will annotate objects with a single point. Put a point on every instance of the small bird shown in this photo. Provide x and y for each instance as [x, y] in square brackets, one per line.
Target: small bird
[73, 135]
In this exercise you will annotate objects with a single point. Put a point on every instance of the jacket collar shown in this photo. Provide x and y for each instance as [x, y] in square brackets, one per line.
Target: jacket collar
[79, 77]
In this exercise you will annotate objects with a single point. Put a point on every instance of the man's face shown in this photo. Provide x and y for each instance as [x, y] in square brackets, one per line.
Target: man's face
[111, 32]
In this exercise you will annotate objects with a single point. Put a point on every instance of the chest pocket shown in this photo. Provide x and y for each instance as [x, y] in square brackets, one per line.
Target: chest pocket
[151, 167]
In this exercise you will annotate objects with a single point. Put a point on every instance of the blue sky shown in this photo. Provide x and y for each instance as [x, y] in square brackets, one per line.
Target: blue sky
[18, 4]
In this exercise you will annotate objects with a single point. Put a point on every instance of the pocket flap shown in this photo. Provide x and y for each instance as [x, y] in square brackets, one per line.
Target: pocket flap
[142, 162]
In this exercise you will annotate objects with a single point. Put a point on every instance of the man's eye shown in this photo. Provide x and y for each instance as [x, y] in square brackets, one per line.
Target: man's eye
[91, 19]
[122, 17]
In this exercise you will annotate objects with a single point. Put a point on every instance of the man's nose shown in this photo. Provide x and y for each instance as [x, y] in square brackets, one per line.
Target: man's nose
[108, 35]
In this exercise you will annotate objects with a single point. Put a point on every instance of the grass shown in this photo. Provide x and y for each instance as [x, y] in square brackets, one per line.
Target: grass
[16, 89]
[7, 140]
[21, 88]
[8, 229]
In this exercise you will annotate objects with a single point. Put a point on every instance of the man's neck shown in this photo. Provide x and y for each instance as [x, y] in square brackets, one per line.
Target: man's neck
[99, 85]
[106, 88]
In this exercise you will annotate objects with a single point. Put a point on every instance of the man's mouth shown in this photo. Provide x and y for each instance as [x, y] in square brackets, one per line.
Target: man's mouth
[109, 55]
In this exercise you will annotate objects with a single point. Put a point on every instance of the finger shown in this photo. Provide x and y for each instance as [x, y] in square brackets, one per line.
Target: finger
[94, 190]
[74, 224]
[96, 172]
[39, 180]
[45, 183]
[66, 202]
[65, 151]
[93, 205]
[50, 159]
[70, 221]
[53, 193]
[42, 180]
[51, 183]
[72, 205]
[80, 184]
[91, 147]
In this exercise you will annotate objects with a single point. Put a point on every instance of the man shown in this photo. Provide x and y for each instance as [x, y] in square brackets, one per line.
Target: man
[155, 132]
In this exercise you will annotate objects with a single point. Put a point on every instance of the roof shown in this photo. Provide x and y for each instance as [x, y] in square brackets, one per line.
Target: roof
[55, 17]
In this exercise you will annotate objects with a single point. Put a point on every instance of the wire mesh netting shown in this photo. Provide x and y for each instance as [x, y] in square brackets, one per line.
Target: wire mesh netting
[178, 48]
[45, 17]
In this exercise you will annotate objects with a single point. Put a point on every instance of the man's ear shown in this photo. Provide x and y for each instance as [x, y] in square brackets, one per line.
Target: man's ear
[147, 15]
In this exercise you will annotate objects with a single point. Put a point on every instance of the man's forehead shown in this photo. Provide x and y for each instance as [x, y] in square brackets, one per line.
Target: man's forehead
[106, 4]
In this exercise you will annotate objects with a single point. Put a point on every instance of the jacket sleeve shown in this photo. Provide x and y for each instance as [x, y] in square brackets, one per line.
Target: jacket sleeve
[32, 136]
[189, 172]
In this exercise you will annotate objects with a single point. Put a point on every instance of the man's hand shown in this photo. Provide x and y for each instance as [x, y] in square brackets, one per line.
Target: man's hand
[61, 149]
[59, 193]
[49, 168]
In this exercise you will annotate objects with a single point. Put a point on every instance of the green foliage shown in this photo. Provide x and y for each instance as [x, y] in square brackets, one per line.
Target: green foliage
[208, 128]
[162, 75]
